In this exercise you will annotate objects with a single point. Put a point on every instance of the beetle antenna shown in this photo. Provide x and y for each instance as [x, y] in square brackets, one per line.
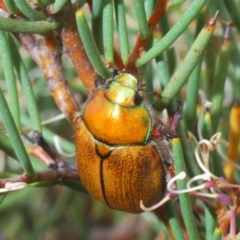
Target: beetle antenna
[155, 94]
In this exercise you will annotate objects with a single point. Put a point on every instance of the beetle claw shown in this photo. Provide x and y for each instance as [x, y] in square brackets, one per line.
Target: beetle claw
[167, 131]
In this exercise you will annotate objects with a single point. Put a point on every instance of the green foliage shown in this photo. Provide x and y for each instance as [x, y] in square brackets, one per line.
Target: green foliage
[185, 59]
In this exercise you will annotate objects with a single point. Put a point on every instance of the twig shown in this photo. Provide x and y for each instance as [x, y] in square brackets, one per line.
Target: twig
[74, 46]
[46, 52]
[60, 175]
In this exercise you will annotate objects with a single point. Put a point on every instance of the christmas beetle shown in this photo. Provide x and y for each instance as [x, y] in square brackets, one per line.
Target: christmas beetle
[120, 158]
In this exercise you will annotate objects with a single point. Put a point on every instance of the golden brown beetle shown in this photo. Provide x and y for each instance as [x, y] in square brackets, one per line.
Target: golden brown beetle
[118, 161]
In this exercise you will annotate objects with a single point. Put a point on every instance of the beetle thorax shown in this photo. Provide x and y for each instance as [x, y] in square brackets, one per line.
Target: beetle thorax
[112, 116]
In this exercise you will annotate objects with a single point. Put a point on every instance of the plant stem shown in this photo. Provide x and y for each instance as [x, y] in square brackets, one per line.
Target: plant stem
[173, 34]
[14, 136]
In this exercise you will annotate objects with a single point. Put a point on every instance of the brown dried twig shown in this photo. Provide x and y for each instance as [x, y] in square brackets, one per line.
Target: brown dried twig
[58, 170]
[74, 46]
[47, 54]
[60, 175]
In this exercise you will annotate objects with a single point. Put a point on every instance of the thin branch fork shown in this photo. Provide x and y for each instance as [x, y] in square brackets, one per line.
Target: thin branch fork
[58, 169]
[140, 44]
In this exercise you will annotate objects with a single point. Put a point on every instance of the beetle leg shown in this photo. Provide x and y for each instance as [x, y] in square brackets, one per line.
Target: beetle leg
[171, 169]
[174, 121]
[99, 82]
[166, 131]
[102, 82]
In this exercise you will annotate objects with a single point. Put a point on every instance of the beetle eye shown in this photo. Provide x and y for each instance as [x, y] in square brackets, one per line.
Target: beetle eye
[138, 98]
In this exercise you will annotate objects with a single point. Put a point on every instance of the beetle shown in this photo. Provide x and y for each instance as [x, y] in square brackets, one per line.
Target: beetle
[120, 158]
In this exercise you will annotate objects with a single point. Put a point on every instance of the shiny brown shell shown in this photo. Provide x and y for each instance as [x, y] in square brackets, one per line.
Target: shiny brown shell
[117, 162]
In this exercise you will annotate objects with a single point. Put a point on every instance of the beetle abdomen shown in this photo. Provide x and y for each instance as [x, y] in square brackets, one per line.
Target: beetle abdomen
[124, 177]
